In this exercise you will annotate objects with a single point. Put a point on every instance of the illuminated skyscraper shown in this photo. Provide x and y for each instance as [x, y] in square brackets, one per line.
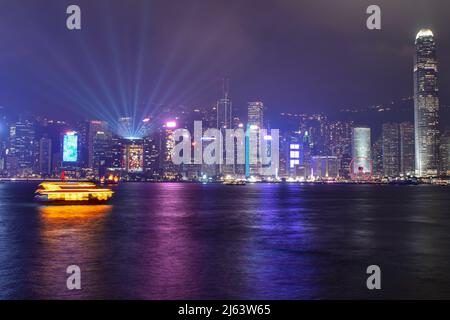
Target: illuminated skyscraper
[391, 149]
[255, 123]
[99, 144]
[45, 156]
[256, 114]
[21, 145]
[426, 104]
[224, 109]
[407, 148]
[445, 153]
[361, 162]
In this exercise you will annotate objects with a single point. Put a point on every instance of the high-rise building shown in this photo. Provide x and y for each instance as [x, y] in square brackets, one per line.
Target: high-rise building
[391, 149]
[324, 167]
[98, 143]
[445, 153]
[426, 105]
[134, 156]
[254, 124]
[167, 136]
[361, 153]
[339, 144]
[225, 121]
[101, 152]
[21, 146]
[256, 114]
[151, 156]
[377, 157]
[3, 140]
[45, 156]
[407, 149]
[224, 109]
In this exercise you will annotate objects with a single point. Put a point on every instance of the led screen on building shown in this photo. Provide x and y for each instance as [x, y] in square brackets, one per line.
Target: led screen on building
[135, 158]
[70, 148]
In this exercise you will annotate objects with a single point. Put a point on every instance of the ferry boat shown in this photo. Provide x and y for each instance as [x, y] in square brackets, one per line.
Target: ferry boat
[235, 182]
[72, 193]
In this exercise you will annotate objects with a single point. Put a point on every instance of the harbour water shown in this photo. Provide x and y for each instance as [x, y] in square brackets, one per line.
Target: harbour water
[212, 241]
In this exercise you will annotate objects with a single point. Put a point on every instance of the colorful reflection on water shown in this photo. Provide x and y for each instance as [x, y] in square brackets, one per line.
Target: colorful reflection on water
[70, 235]
[260, 241]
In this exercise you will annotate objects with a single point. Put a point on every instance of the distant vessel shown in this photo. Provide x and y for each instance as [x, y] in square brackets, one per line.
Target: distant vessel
[72, 193]
[110, 179]
[235, 182]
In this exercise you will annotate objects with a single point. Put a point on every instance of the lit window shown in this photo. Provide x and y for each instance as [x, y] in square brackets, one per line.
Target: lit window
[295, 154]
[294, 163]
[295, 146]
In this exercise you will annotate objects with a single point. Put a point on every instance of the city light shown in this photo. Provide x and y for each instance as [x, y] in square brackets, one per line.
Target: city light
[171, 124]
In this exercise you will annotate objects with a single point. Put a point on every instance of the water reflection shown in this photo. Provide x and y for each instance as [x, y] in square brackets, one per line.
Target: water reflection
[69, 235]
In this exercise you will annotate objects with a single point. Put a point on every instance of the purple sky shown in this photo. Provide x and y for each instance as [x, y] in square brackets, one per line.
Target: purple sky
[298, 56]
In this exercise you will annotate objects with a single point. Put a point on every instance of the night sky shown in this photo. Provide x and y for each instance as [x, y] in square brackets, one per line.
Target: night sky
[134, 55]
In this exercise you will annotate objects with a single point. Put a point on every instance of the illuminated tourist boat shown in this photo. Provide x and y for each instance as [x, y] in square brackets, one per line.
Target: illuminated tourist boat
[237, 182]
[72, 193]
[110, 179]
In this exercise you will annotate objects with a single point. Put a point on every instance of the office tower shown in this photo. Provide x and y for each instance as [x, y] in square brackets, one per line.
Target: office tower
[117, 153]
[445, 153]
[255, 122]
[3, 140]
[45, 156]
[377, 157]
[101, 152]
[167, 143]
[391, 149]
[224, 108]
[325, 167]
[426, 105]
[361, 153]
[225, 121]
[407, 149]
[339, 144]
[256, 114]
[151, 157]
[133, 155]
[98, 141]
[20, 160]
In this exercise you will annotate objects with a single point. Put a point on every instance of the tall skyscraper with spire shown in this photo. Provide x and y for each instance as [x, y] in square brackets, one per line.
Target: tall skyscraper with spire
[426, 105]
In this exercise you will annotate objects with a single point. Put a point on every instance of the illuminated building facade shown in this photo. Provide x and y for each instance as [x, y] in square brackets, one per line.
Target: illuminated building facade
[426, 105]
[324, 167]
[361, 151]
[445, 153]
[98, 140]
[134, 156]
[20, 157]
[391, 149]
[170, 170]
[407, 149]
[254, 124]
[45, 156]
[151, 157]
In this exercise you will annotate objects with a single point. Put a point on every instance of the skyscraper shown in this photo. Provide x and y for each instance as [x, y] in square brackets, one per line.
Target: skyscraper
[21, 146]
[391, 149]
[445, 153]
[361, 153]
[255, 124]
[407, 157]
[426, 105]
[45, 156]
[99, 143]
[224, 109]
